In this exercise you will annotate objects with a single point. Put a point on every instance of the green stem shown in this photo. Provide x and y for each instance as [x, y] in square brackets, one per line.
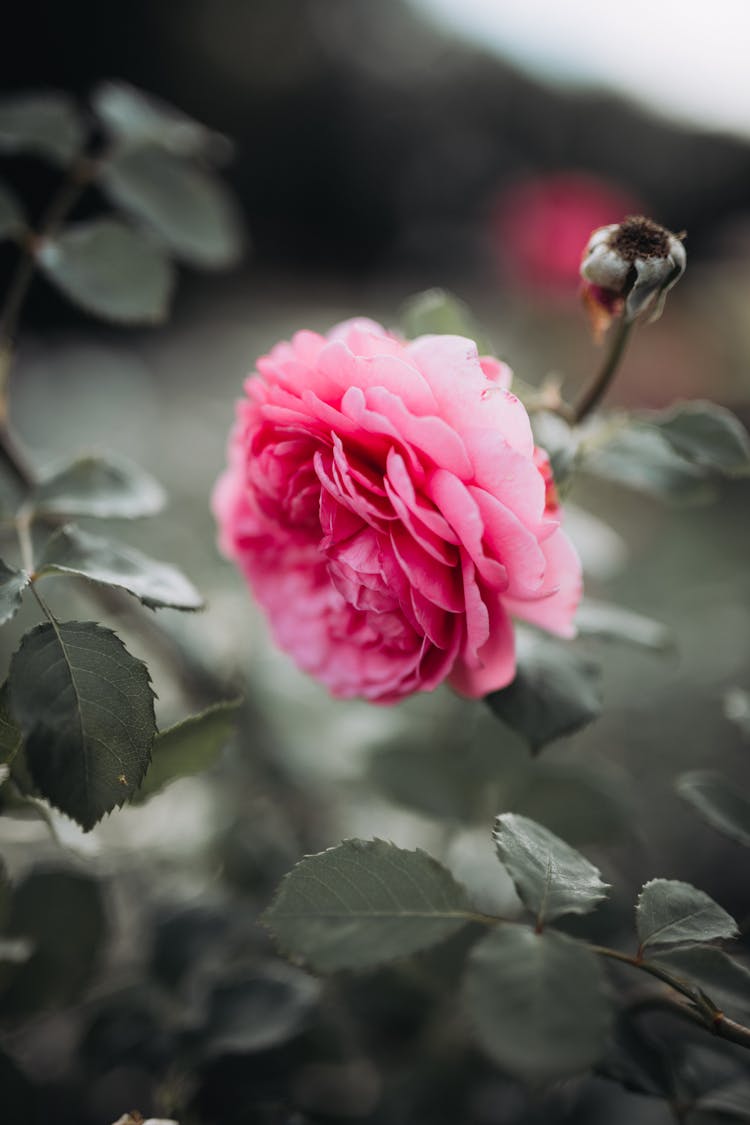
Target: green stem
[597, 388]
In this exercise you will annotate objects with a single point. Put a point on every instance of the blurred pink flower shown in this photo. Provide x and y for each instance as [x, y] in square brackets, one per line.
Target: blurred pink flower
[389, 510]
[541, 225]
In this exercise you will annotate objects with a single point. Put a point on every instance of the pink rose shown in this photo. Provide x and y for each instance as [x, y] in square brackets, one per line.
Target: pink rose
[389, 510]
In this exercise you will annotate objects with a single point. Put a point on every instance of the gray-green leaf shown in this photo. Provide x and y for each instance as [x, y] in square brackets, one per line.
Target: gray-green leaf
[110, 270]
[720, 803]
[11, 213]
[45, 124]
[537, 1003]
[10, 732]
[640, 457]
[363, 903]
[105, 488]
[136, 118]
[187, 207]
[86, 709]
[551, 877]
[254, 1011]
[669, 912]
[723, 978]
[12, 585]
[708, 434]
[438, 312]
[556, 691]
[76, 552]
[188, 747]
[612, 622]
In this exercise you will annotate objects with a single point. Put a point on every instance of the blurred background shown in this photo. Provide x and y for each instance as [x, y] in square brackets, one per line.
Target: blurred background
[381, 148]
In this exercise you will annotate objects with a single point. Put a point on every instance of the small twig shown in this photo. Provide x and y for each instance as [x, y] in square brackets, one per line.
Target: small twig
[596, 389]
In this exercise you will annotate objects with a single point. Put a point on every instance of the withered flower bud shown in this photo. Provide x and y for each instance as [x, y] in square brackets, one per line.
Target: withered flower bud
[628, 269]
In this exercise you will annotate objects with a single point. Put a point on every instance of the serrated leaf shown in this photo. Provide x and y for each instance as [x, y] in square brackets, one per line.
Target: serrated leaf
[86, 709]
[707, 434]
[719, 802]
[110, 270]
[556, 691]
[723, 978]
[669, 912]
[363, 903]
[75, 552]
[12, 219]
[255, 1011]
[132, 116]
[62, 914]
[45, 124]
[105, 488]
[10, 732]
[188, 747]
[537, 1003]
[187, 207]
[12, 585]
[640, 457]
[551, 878]
[438, 312]
[613, 622]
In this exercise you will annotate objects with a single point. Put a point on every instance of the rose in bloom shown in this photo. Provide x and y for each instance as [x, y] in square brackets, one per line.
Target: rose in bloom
[387, 505]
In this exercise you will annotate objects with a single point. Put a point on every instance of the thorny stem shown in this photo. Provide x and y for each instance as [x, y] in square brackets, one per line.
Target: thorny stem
[596, 389]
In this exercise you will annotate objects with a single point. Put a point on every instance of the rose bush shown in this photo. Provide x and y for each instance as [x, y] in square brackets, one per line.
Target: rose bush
[386, 503]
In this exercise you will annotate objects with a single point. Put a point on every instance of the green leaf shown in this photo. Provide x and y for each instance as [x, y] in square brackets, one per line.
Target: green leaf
[110, 270]
[12, 585]
[255, 1011]
[537, 1003]
[737, 709]
[640, 457]
[101, 487]
[669, 912]
[551, 878]
[187, 207]
[86, 709]
[720, 803]
[45, 124]
[724, 979]
[10, 733]
[188, 747]
[12, 219]
[76, 552]
[63, 915]
[612, 622]
[437, 312]
[556, 692]
[136, 118]
[363, 903]
[707, 434]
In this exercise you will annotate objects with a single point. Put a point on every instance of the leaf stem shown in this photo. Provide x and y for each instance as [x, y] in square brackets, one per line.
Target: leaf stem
[596, 389]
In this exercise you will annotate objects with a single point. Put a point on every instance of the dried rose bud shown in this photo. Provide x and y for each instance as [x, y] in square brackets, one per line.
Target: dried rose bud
[628, 268]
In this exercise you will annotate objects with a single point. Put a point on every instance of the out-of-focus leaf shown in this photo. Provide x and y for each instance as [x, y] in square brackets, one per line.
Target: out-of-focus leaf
[363, 903]
[727, 1103]
[537, 1003]
[78, 553]
[612, 622]
[12, 218]
[137, 118]
[559, 441]
[110, 270]
[737, 709]
[45, 124]
[723, 978]
[62, 914]
[101, 487]
[187, 207]
[255, 1011]
[640, 457]
[86, 709]
[551, 877]
[720, 803]
[708, 434]
[582, 802]
[556, 692]
[12, 585]
[669, 912]
[188, 747]
[638, 1061]
[438, 312]
[10, 733]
